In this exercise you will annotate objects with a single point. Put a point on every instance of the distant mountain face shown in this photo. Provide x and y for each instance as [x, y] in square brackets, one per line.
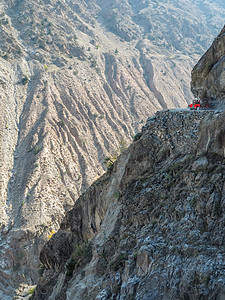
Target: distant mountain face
[186, 26]
[77, 81]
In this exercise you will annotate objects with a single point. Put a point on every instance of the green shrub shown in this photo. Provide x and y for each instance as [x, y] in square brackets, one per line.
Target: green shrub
[61, 123]
[25, 80]
[16, 267]
[206, 279]
[81, 255]
[123, 145]
[118, 262]
[36, 150]
[137, 136]
[109, 161]
[31, 291]
[41, 269]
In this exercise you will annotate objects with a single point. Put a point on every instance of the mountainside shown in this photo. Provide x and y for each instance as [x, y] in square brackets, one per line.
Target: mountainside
[153, 226]
[208, 75]
[77, 81]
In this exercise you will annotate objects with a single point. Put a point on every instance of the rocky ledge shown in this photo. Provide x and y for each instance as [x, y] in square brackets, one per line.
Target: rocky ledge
[153, 226]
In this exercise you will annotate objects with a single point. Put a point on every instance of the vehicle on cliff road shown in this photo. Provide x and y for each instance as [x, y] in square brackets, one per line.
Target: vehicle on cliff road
[198, 104]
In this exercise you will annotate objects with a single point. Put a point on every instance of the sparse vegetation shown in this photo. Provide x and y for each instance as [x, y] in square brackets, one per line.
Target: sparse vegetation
[109, 161]
[31, 291]
[41, 269]
[16, 267]
[137, 136]
[25, 80]
[61, 123]
[123, 146]
[36, 150]
[81, 255]
[116, 194]
[118, 262]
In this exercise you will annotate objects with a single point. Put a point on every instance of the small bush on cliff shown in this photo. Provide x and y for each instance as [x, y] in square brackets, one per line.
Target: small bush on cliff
[41, 269]
[31, 291]
[25, 80]
[61, 123]
[36, 149]
[118, 262]
[123, 146]
[137, 136]
[109, 161]
[81, 255]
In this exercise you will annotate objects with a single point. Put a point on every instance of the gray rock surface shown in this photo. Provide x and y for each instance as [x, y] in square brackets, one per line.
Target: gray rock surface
[154, 224]
[208, 75]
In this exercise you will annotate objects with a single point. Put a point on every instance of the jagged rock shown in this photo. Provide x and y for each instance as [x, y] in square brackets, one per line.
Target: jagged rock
[208, 75]
[161, 235]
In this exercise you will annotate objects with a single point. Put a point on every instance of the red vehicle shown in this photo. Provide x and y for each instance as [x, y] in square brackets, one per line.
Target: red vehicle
[195, 105]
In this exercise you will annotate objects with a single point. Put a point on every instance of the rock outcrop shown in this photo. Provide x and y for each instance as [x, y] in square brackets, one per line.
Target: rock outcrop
[153, 226]
[208, 75]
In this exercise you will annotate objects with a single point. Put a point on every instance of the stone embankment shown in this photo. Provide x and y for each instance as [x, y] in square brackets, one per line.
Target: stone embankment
[153, 226]
[178, 128]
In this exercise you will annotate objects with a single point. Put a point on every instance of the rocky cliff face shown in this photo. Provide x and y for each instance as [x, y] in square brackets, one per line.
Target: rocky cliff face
[153, 226]
[75, 87]
[208, 75]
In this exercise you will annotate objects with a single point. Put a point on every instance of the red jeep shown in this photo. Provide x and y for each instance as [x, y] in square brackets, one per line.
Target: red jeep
[195, 105]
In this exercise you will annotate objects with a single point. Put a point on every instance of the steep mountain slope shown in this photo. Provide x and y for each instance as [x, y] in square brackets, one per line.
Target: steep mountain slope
[208, 75]
[77, 81]
[151, 228]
